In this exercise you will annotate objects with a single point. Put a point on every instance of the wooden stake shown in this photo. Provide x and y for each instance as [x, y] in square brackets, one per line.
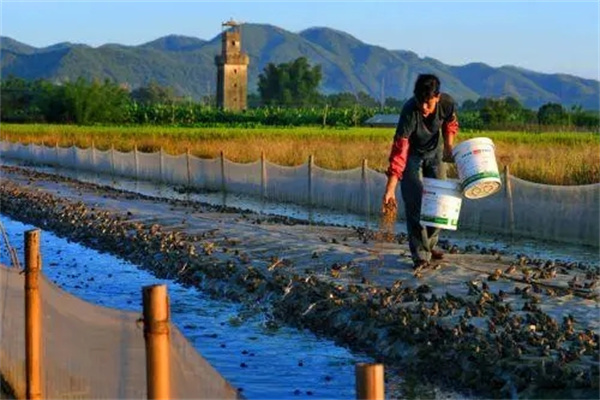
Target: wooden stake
[263, 175]
[161, 166]
[223, 180]
[311, 163]
[135, 158]
[33, 316]
[156, 335]
[365, 184]
[509, 199]
[112, 160]
[189, 169]
[369, 381]
[94, 157]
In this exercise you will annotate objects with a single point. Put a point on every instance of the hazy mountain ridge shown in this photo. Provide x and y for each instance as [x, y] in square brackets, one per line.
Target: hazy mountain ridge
[348, 65]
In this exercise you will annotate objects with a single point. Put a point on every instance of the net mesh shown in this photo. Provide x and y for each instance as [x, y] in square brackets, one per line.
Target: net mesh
[562, 213]
[287, 184]
[244, 178]
[205, 173]
[93, 352]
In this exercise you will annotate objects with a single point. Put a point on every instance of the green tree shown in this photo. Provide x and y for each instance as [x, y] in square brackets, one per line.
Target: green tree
[17, 98]
[394, 103]
[341, 100]
[153, 94]
[88, 103]
[290, 84]
[552, 114]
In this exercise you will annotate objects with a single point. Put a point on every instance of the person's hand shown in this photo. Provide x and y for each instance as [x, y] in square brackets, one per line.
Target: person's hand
[389, 200]
[448, 157]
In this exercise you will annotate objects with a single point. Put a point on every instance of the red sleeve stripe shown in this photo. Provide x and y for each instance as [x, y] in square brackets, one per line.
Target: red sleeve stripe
[398, 157]
[450, 128]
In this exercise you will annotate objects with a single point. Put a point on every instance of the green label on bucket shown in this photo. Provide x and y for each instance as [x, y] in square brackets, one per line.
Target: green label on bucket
[438, 220]
[479, 176]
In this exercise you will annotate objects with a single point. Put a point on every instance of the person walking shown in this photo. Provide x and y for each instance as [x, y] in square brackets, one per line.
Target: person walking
[423, 142]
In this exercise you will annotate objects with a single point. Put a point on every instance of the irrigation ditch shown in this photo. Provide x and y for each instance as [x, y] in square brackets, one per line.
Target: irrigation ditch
[485, 322]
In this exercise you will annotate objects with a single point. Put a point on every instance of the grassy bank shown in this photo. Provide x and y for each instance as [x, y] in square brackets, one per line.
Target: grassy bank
[552, 158]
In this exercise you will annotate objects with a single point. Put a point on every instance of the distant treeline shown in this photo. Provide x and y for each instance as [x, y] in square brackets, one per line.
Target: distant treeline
[85, 103]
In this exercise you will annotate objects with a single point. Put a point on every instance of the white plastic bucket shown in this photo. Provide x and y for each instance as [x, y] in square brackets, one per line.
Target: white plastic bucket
[440, 204]
[477, 168]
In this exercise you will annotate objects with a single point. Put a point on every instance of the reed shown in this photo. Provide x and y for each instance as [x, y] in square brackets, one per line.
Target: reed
[569, 158]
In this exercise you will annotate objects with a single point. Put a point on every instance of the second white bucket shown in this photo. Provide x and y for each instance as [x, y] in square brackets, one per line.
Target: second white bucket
[477, 168]
[440, 205]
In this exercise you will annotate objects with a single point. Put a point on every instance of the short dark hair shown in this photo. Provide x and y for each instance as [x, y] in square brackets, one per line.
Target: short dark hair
[426, 87]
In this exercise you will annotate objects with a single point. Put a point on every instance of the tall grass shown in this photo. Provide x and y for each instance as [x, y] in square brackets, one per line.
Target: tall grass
[552, 158]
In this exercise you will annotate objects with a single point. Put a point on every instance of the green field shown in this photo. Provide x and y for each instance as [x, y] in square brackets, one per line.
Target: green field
[569, 158]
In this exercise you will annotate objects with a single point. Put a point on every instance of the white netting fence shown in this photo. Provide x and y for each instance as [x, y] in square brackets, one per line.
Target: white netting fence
[569, 214]
[93, 352]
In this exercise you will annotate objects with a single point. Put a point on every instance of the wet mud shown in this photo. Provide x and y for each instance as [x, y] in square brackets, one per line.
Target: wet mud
[481, 321]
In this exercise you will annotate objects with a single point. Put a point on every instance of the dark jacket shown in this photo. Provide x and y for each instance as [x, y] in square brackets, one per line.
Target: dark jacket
[417, 134]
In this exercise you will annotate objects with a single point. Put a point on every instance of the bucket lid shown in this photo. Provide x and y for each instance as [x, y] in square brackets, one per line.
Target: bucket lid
[451, 184]
[472, 142]
[482, 188]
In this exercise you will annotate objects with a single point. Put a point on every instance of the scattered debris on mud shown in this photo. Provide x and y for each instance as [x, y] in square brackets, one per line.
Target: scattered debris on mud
[499, 325]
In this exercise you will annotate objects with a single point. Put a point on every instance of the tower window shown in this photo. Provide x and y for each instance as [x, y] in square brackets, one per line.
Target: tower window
[233, 43]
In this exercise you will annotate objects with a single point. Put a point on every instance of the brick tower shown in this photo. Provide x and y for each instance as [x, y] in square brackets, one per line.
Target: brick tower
[232, 69]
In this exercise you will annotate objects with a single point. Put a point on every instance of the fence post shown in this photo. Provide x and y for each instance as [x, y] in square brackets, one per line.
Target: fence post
[33, 320]
[135, 160]
[156, 335]
[369, 381]
[189, 169]
[223, 178]
[94, 157]
[509, 199]
[263, 176]
[56, 153]
[365, 184]
[161, 180]
[112, 160]
[311, 162]
[74, 150]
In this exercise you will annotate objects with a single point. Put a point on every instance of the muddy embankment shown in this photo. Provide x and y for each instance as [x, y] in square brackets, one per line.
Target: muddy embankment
[483, 321]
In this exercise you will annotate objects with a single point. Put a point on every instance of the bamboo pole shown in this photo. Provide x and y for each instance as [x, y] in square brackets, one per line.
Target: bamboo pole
[112, 160]
[263, 176]
[94, 156]
[369, 381]
[365, 183]
[33, 318]
[156, 335]
[189, 169]
[74, 151]
[135, 159]
[509, 199]
[311, 163]
[223, 179]
[161, 180]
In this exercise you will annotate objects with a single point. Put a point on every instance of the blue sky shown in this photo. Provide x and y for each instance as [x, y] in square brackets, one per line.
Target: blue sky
[544, 36]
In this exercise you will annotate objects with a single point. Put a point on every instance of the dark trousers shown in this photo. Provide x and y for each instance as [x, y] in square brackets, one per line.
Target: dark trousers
[421, 239]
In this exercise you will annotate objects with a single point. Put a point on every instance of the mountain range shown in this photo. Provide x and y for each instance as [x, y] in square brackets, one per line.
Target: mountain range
[187, 64]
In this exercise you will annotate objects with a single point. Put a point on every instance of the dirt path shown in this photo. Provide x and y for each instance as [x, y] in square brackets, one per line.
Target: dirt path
[499, 317]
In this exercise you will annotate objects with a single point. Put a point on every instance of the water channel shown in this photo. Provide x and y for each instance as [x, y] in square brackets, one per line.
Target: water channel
[266, 363]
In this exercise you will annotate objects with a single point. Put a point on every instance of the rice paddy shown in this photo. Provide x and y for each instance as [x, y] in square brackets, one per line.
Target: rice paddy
[557, 158]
